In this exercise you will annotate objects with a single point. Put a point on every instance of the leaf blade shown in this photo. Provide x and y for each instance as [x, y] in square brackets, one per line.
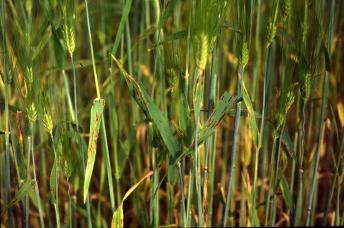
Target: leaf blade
[146, 103]
[221, 109]
[253, 122]
[117, 218]
[96, 116]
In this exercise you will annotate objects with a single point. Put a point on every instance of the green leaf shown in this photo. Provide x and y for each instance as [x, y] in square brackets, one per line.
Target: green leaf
[173, 174]
[225, 103]
[222, 108]
[78, 64]
[120, 30]
[59, 52]
[286, 193]
[10, 107]
[33, 197]
[326, 56]
[146, 103]
[184, 120]
[52, 181]
[167, 12]
[253, 122]
[247, 190]
[198, 98]
[43, 41]
[288, 143]
[125, 148]
[96, 116]
[233, 112]
[172, 37]
[25, 189]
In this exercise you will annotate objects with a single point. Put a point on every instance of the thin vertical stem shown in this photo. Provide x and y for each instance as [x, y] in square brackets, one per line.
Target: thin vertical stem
[324, 104]
[7, 133]
[75, 94]
[56, 204]
[234, 148]
[36, 181]
[92, 54]
[210, 148]
[106, 153]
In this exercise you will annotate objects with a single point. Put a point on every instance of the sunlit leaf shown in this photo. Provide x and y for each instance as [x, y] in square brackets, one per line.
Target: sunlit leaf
[117, 218]
[96, 116]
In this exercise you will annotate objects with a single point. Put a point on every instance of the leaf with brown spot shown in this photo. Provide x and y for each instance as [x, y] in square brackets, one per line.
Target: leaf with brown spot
[96, 116]
[146, 103]
[224, 105]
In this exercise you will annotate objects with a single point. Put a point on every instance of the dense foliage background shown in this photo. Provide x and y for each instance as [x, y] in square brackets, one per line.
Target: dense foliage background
[171, 113]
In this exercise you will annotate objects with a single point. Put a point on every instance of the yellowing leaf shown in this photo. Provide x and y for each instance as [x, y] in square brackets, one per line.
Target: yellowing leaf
[253, 123]
[117, 218]
[340, 109]
[96, 116]
[246, 135]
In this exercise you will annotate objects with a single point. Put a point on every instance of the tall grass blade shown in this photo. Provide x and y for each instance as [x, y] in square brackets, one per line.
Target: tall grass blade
[96, 114]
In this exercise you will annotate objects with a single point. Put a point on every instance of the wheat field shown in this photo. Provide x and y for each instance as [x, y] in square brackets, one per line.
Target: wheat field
[171, 113]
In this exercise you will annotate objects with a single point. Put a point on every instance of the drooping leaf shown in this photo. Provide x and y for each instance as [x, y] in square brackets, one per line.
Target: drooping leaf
[25, 189]
[222, 108]
[96, 116]
[151, 110]
[132, 188]
[117, 218]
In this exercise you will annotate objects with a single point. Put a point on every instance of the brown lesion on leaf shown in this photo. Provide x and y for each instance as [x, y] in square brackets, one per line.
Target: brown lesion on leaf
[94, 135]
